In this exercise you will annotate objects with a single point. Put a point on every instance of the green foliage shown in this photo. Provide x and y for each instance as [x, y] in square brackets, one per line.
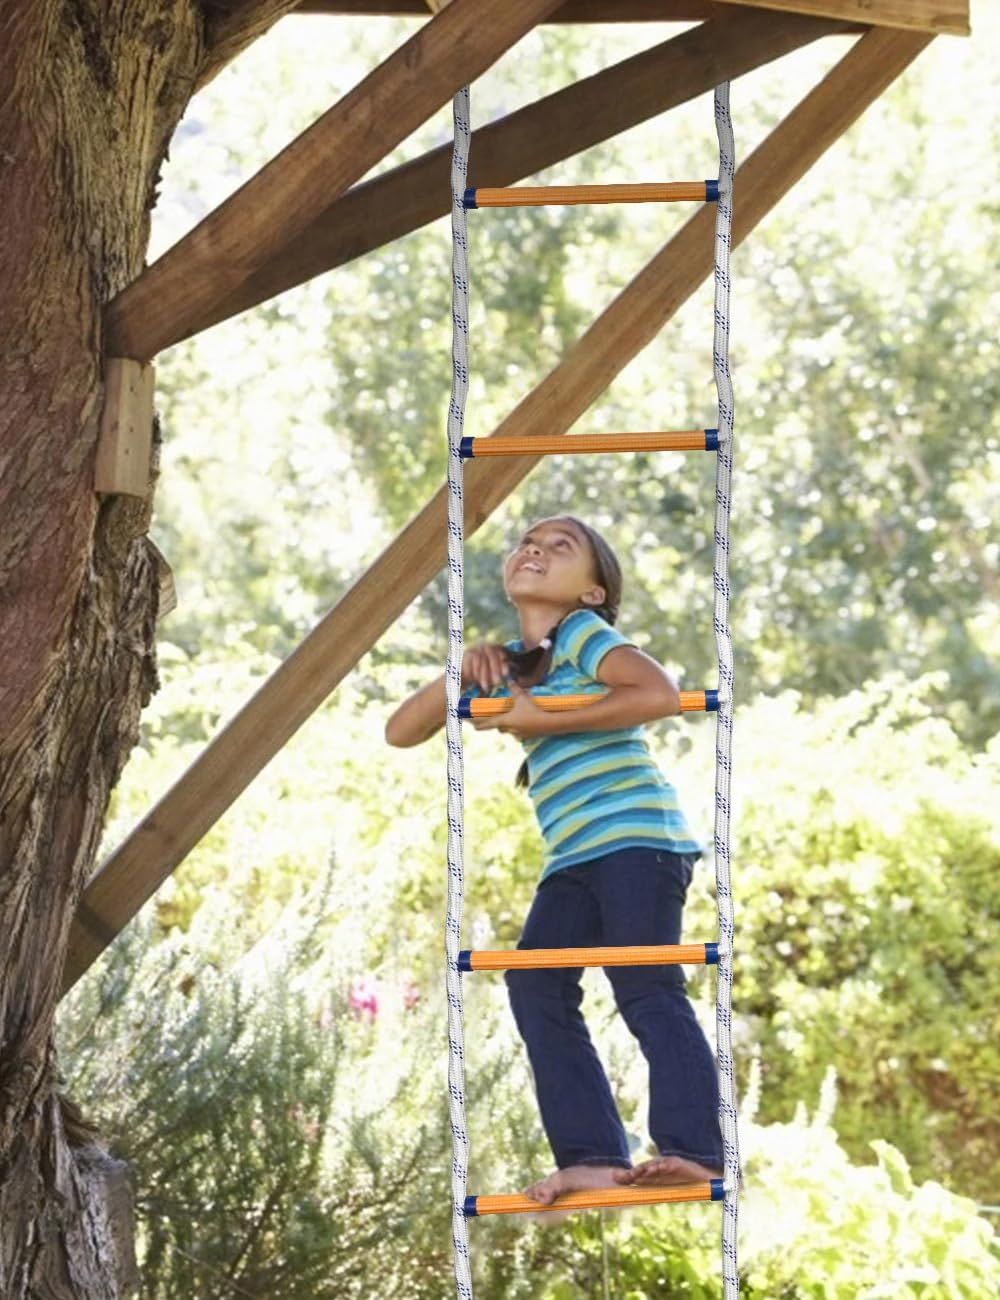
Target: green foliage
[284, 1144]
[814, 1226]
[866, 867]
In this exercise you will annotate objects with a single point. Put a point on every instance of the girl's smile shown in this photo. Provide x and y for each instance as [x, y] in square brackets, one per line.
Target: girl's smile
[551, 550]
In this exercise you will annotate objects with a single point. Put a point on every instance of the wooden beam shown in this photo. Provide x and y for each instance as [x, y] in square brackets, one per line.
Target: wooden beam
[937, 16]
[556, 127]
[277, 204]
[300, 685]
[569, 11]
[949, 17]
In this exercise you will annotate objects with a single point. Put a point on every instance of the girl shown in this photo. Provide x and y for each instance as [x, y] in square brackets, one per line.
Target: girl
[619, 859]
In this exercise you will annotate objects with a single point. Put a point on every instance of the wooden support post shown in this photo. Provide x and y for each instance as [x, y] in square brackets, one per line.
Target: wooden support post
[126, 438]
[525, 142]
[299, 686]
[286, 196]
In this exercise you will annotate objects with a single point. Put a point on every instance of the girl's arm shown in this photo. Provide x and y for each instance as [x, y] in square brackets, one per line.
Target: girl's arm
[424, 713]
[639, 690]
[419, 717]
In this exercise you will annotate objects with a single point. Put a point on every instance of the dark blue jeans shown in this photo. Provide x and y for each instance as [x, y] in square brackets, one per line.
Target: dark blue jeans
[634, 896]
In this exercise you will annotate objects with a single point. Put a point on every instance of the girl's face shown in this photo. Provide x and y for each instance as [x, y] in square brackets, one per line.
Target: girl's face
[552, 564]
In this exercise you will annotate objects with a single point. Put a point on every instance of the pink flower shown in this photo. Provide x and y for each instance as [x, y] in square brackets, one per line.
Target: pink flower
[363, 998]
[411, 994]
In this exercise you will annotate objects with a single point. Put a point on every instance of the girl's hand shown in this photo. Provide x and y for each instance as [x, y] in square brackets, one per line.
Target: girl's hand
[524, 719]
[486, 665]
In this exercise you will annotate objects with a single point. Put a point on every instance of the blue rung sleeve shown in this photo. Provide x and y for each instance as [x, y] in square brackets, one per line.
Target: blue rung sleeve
[465, 449]
[469, 199]
[711, 701]
[718, 1189]
[711, 954]
[711, 440]
[465, 708]
[465, 959]
[470, 1207]
[711, 192]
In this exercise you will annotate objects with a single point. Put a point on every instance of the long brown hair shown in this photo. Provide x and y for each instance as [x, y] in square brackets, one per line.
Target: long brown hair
[529, 667]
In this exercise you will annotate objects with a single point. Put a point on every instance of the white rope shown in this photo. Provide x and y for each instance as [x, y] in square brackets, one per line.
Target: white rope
[453, 690]
[724, 729]
[453, 687]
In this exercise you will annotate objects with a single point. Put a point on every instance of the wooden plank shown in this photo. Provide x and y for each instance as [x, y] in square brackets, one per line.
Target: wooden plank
[277, 204]
[300, 685]
[939, 17]
[125, 443]
[569, 11]
[526, 142]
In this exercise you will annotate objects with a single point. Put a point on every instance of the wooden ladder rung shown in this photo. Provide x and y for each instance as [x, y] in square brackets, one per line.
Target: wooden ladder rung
[536, 196]
[559, 445]
[601, 1198]
[664, 954]
[483, 706]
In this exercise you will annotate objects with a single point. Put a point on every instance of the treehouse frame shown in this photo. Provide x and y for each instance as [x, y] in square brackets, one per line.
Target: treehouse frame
[304, 213]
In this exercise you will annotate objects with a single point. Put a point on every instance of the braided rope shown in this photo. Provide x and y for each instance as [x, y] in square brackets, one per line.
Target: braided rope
[724, 730]
[453, 683]
[453, 690]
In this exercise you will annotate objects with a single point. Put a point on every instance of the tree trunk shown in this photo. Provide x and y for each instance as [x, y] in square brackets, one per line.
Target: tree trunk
[90, 93]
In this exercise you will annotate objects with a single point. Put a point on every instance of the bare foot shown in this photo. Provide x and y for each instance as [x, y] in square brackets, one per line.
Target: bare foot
[666, 1171]
[574, 1178]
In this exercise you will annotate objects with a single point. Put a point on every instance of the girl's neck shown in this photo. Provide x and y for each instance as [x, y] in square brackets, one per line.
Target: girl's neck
[538, 620]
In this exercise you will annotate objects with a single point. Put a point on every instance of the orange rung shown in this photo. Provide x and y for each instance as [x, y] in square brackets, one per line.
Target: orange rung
[489, 707]
[534, 196]
[516, 445]
[485, 707]
[664, 954]
[699, 701]
[600, 1198]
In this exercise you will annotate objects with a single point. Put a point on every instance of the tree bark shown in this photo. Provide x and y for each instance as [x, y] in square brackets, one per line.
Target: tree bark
[90, 93]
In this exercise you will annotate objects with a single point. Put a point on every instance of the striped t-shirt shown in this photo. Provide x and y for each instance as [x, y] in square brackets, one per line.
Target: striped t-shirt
[595, 791]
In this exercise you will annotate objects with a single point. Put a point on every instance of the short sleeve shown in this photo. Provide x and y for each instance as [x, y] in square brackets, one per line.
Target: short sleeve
[586, 638]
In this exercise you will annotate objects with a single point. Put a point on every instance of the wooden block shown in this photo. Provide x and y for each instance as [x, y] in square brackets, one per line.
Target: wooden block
[168, 589]
[125, 445]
